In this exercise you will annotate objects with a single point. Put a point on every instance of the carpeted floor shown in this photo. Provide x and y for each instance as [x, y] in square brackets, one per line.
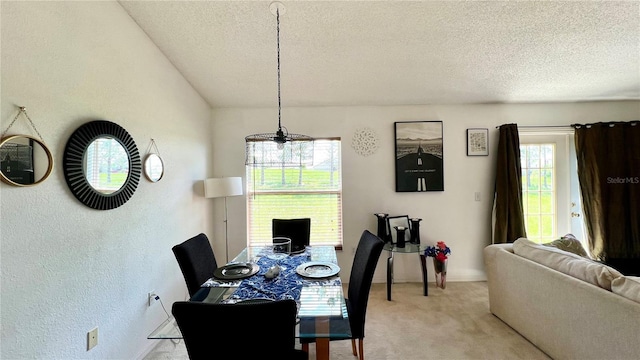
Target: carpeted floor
[454, 323]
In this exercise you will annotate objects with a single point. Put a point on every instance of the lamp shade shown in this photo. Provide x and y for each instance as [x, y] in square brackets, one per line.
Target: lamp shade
[222, 187]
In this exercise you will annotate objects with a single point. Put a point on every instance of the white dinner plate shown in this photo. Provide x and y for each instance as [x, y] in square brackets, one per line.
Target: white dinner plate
[318, 269]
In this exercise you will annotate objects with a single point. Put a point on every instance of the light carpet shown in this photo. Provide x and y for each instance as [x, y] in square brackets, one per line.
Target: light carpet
[452, 323]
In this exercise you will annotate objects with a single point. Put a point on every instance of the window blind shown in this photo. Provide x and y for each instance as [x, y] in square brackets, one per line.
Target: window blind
[310, 186]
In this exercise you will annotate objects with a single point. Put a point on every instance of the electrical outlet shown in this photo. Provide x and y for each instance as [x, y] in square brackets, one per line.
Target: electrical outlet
[92, 338]
[151, 297]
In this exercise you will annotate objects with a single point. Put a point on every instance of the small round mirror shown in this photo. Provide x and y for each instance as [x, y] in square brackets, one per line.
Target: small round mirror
[24, 160]
[106, 165]
[153, 167]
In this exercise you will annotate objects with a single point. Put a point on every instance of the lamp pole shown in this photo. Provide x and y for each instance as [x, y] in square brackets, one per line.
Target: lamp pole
[226, 230]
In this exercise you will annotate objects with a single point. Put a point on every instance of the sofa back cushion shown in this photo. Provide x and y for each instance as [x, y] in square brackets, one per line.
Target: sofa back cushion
[567, 263]
[627, 286]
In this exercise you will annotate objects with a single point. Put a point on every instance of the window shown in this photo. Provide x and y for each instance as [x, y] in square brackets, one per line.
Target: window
[538, 191]
[301, 179]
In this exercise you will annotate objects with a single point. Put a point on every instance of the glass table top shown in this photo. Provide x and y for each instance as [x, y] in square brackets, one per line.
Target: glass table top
[322, 311]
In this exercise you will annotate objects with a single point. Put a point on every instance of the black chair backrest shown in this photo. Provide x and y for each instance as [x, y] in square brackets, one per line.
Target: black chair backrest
[260, 330]
[364, 265]
[298, 230]
[197, 261]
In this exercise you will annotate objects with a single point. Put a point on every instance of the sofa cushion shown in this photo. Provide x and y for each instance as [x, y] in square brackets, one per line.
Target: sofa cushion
[567, 263]
[569, 243]
[627, 286]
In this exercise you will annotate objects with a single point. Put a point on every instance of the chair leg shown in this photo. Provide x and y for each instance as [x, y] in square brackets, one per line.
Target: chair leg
[361, 345]
[353, 347]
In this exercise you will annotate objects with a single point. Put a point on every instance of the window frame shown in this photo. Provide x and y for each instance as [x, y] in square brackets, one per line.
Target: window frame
[259, 229]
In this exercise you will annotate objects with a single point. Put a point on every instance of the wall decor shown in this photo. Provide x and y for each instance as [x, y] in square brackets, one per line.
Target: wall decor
[398, 221]
[477, 142]
[365, 141]
[24, 160]
[153, 164]
[419, 156]
[102, 165]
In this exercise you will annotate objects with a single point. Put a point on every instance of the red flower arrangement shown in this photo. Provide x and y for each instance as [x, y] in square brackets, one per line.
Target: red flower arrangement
[439, 252]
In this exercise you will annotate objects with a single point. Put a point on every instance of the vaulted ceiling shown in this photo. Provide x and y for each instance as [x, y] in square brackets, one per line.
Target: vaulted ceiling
[399, 52]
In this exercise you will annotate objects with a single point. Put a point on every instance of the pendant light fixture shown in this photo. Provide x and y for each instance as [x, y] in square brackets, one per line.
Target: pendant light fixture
[282, 135]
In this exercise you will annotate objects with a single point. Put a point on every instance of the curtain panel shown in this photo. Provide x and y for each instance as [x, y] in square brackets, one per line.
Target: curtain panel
[608, 159]
[509, 222]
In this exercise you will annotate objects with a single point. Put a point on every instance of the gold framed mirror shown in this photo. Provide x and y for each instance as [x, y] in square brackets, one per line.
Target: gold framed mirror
[153, 167]
[24, 160]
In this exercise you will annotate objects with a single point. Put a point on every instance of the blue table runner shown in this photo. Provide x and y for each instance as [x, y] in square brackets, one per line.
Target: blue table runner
[287, 285]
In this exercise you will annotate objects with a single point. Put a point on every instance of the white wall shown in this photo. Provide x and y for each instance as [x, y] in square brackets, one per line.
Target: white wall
[452, 216]
[67, 268]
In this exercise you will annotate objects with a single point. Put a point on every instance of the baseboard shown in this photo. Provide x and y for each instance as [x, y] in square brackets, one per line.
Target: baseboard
[431, 278]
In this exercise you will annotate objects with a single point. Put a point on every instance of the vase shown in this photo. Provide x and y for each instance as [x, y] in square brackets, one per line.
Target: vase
[415, 230]
[400, 236]
[440, 268]
[382, 226]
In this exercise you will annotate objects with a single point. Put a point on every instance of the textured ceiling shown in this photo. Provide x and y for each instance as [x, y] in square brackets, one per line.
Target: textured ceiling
[398, 52]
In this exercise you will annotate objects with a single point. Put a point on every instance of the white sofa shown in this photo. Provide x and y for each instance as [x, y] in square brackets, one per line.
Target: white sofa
[564, 316]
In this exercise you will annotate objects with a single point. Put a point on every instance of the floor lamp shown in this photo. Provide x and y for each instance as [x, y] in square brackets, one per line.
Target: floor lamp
[223, 187]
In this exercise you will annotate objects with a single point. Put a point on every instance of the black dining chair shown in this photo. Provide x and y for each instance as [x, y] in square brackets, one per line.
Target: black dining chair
[255, 330]
[364, 265]
[196, 260]
[298, 230]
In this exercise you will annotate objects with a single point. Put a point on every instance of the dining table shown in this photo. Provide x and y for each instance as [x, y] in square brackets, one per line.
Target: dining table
[311, 277]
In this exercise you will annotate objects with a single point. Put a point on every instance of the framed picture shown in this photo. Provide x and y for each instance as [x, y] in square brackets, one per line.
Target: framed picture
[477, 142]
[400, 220]
[419, 156]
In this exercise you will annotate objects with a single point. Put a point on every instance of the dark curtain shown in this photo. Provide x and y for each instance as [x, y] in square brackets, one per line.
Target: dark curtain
[608, 156]
[509, 216]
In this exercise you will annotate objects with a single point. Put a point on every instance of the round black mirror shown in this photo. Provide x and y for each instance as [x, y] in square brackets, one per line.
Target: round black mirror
[24, 160]
[102, 165]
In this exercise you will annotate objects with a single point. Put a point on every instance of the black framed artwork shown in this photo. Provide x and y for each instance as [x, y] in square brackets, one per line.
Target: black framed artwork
[399, 220]
[419, 156]
[477, 142]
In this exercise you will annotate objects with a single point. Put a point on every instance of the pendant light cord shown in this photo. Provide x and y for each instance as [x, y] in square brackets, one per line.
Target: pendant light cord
[278, 36]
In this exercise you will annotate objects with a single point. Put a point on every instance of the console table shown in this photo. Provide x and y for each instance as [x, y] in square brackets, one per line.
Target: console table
[409, 248]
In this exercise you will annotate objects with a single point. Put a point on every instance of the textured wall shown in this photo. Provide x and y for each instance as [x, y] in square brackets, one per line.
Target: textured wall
[67, 268]
[452, 216]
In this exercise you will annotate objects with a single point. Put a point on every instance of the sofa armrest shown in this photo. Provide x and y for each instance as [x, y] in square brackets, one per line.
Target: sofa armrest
[490, 253]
